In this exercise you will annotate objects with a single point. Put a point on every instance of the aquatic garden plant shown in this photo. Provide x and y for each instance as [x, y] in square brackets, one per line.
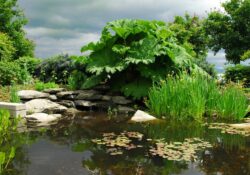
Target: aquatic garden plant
[193, 97]
[132, 54]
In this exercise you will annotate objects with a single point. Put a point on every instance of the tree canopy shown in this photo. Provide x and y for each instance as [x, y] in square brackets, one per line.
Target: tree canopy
[230, 30]
[12, 20]
[190, 33]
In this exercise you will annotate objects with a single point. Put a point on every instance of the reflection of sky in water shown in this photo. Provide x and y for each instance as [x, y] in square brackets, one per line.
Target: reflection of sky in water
[219, 61]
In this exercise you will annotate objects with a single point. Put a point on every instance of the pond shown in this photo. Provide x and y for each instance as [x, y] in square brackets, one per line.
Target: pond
[93, 144]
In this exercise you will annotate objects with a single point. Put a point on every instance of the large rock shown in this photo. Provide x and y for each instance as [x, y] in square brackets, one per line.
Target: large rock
[42, 119]
[89, 95]
[44, 105]
[54, 90]
[66, 94]
[120, 100]
[141, 116]
[125, 110]
[67, 103]
[84, 104]
[31, 94]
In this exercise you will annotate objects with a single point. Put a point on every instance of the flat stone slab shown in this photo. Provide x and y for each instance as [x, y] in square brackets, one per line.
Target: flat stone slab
[89, 95]
[120, 100]
[31, 94]
[141, 116]
[12, 106]
[54, 90]
[43, 119]
[15, 109]
[44, 105]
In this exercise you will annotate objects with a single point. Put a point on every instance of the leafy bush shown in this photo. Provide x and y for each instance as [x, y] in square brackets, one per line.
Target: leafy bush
[58, 68]
[238, 73]
[40, 86]
[11, 72]
[132, 54]
[7, 49]
[194, 97]
[28, 63]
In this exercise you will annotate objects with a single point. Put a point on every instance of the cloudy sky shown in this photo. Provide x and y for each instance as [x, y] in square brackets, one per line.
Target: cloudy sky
[63, 26]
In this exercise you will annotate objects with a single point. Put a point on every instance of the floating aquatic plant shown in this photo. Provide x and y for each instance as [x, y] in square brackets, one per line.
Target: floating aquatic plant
[229, 129]
[119, 142]
[179, 151]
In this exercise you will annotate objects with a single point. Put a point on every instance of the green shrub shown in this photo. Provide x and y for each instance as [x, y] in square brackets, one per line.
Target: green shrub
[11, 72]
[132, 54]
[40, 86]
[7, 49]
[58, 68]
[238, 73]
[28, 63]
[193, 97]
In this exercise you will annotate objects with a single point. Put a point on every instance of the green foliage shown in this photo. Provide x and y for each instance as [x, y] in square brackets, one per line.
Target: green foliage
[28, 63]
[190, 33]
[40, 86]
[188, 97]
[132, 54]
[12, 21]
[6, 48]
[76, 80]
[59, 69]
[238, 73]
[11, 72]
[246, 55]
[229, 103]
[13, 95]
[230, 30]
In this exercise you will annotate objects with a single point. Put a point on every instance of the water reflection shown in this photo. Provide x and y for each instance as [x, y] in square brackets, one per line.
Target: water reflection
[66, 148]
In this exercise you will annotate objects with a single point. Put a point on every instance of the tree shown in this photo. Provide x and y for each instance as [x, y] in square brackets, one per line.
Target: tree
[230, 30]
[12, 21]
[190, 32]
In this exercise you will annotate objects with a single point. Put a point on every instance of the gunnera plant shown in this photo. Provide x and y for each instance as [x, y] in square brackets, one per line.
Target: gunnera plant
[132, 54]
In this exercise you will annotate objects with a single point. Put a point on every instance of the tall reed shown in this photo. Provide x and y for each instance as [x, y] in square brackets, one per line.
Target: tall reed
[192, 97]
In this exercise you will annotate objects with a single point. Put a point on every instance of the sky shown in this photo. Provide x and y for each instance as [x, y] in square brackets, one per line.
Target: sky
[64, 26]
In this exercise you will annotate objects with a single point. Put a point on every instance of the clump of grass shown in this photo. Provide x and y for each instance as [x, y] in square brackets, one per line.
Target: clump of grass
[178, 97]
[13, 94]
[40, 86]
[193, 97]
[230, 103]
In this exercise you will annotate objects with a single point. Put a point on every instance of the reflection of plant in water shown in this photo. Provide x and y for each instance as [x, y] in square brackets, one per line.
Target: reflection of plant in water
[11, 143]
[226, 162]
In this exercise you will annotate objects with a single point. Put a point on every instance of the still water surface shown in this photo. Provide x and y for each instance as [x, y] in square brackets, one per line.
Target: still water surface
[67, 149]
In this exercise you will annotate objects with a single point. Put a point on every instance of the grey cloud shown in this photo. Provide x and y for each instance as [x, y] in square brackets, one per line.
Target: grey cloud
[66, 21]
